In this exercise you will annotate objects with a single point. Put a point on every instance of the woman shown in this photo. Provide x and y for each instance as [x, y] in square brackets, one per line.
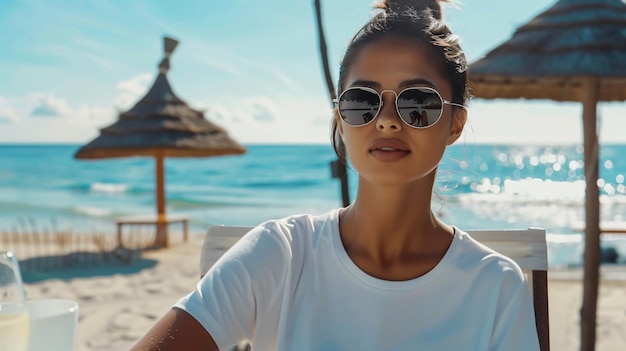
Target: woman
[383, 273]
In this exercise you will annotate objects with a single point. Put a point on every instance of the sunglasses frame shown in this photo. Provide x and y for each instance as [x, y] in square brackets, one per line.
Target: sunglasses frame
[380, 104]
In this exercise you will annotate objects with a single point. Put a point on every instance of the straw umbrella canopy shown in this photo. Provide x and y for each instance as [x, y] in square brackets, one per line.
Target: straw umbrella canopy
[573, 51]
[161, 125]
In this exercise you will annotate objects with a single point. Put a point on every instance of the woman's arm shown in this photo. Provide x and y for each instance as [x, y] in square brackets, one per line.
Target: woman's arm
[177, 330]
[225, 301]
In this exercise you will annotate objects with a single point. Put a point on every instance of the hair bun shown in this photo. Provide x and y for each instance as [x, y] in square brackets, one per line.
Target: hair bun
[418, 5]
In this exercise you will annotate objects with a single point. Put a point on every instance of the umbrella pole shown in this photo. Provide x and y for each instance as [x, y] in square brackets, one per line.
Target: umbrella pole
[592, 218]
[338, 169]
[160, 239]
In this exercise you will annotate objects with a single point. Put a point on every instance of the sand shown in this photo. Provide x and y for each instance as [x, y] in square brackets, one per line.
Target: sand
[119, 304]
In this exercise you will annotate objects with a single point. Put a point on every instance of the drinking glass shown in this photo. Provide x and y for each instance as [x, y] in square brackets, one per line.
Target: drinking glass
[14, 320]
[53, 324]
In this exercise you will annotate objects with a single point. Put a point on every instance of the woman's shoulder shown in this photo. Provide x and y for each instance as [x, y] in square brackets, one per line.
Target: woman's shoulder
[475, 255]
[295, 230]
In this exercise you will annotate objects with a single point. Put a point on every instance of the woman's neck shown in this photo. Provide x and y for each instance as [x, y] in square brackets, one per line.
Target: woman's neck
[394, 226]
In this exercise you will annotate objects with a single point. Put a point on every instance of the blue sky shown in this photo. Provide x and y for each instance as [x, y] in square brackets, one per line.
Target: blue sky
[67, 67]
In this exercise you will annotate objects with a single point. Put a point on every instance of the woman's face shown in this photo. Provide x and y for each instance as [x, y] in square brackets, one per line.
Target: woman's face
[387, 151]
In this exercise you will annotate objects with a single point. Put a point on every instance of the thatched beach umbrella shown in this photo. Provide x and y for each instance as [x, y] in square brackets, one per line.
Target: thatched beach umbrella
[573, 51]
[161, 125]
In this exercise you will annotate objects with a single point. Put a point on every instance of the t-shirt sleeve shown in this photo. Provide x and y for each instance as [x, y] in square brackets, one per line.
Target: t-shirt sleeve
[245, 279]
[514, 327]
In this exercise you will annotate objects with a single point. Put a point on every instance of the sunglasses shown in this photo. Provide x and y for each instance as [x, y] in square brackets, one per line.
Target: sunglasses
[418, 107]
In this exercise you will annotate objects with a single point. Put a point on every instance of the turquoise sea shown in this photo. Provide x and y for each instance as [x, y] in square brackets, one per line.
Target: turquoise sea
[479, 187]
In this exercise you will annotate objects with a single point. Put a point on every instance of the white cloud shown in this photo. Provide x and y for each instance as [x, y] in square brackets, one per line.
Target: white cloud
[131, 90]
[7, 113]
[135, 85]
[218, 113]
[257, 109]
[252, 119]
[6, 119]
[539, 122]
[611, 122]
[39, 117]
[263, 109]
[49, 106]
[263, 119]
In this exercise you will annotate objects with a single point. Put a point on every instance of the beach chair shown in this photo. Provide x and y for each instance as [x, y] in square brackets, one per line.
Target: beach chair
[527, 247]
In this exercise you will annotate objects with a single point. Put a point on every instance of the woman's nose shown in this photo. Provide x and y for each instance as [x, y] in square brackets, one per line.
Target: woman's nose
[388, 118]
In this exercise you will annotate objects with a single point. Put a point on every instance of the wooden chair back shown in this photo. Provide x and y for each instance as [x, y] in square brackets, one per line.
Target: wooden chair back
[527, 247]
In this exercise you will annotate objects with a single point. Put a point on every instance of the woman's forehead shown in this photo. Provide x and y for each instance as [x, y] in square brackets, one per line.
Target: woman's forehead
[392, 62]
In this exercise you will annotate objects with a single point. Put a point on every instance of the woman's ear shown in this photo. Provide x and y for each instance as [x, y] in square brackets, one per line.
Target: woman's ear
[458, 122]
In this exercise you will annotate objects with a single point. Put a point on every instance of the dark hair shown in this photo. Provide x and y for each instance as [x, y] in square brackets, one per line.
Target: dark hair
[419, 21]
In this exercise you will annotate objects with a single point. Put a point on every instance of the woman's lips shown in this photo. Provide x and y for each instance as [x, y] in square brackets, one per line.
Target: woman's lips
[389, 150]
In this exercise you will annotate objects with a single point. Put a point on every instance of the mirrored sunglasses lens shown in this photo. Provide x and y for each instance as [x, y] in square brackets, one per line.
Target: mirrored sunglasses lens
[419, 107]
[358, 107]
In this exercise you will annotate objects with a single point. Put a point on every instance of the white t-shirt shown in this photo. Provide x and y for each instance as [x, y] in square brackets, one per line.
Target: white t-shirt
[290, 285]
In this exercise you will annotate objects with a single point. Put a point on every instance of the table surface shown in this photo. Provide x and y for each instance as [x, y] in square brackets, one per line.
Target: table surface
[151, 218]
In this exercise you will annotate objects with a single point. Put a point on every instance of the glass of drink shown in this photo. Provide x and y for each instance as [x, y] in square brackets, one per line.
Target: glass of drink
[14, 320]
[53, 324]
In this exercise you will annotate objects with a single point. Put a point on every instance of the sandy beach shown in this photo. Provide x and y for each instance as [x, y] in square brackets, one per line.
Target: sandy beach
[119, 304]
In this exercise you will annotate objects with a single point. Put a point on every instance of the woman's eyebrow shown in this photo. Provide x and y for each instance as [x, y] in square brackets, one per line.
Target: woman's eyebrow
[365, 83]
[417, 81]
[403, 84]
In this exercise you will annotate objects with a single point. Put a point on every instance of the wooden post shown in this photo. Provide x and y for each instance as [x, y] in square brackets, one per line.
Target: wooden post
[119, 235]
[592, 217]
[160, 239]
[540, 302]
[337, 167]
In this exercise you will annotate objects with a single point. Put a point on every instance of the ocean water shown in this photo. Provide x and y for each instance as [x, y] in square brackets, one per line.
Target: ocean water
[478, 187]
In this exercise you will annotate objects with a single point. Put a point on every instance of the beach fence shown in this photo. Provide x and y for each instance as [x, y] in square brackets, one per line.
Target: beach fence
[49, 248]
